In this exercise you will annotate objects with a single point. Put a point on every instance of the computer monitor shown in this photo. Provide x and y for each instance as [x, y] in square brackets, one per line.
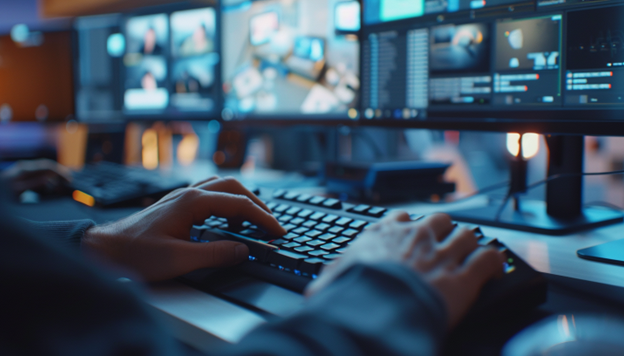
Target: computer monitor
[291, 60]
[551, 67]
[159, 62]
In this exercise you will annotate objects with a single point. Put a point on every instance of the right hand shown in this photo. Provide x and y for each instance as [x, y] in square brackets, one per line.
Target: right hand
[449, 259]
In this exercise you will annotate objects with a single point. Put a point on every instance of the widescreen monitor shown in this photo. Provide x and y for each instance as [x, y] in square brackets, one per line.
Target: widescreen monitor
[156, 63]
[290, 60]
[554, 67]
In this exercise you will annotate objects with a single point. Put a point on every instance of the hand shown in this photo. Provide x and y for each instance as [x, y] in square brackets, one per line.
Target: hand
[449, 259]
[42, 176]
[155, 242]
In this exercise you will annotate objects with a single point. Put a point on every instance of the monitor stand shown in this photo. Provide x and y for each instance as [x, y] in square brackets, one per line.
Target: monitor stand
[562, 213]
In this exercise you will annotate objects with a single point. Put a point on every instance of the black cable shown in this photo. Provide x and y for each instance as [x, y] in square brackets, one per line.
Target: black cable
[551, 178]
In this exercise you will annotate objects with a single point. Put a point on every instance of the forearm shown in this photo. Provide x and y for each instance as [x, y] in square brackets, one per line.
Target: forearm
[370, 310]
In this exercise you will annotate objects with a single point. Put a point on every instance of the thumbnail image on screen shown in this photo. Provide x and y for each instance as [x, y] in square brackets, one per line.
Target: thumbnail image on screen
[528, 44]
[193, 39]
[379, 11]
[287, 57]
[456, 48]
[146, 63]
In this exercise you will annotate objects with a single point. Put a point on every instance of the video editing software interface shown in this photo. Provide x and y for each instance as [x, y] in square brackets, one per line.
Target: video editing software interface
[161, 64]
[556, 57]
[291, 59]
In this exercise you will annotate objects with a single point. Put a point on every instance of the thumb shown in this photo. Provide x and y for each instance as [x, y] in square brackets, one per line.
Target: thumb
[215, 254]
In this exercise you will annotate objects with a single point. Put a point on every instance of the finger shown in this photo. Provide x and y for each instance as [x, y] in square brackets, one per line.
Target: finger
[483, 265]
[189, 256]
[440, 225]
[197, 185]
[459, 245]
[206, 204]
[232, 186]
[397, 216]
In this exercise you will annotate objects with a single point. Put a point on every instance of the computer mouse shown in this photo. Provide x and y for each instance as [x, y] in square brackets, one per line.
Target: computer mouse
[569, 335]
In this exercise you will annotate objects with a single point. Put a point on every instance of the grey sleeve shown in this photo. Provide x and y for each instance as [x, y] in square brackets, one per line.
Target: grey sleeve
[384, 309]
[65, 233]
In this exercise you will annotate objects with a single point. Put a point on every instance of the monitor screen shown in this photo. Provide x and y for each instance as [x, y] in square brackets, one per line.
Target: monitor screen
[160, 63]
[564, 64]
[290, 59]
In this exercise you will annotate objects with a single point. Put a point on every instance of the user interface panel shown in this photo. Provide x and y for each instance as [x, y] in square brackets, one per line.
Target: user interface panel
[291, 59]
[555, 57]
[162, 63]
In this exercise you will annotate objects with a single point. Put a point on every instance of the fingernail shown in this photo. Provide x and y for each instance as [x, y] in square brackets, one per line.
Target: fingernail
[241, 252]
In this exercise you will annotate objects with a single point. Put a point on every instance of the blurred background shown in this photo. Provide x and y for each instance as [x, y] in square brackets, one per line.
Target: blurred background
[85, 83]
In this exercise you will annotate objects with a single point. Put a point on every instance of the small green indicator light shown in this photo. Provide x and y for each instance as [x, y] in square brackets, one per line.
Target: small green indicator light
[510, 260]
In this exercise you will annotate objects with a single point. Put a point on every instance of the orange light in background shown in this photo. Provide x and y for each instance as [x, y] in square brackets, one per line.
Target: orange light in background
[530, 144]
[83, 198]
[150, 149]
[187, 149]
[451, 137]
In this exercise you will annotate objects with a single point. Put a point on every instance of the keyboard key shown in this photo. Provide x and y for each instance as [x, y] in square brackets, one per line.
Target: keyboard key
[332, 204]
[302, 239]
[331, 256]
[317, 216]
[304, 198]
[314, 233]
[358, 224]
[289, 227]
[286, 259]
[317, 200]
[290, 196]
[327, 237]
[376, 212]
[487, 241]
[279, 193]
[330, 246]
[271, 205]
[304, 249]
[252, 233]
[301, 230]
[213, 223]
[315, 243]
[305, 213]
[293, 211]
[322, 227]
[309, 223]
[360, 209]
[341, 239]
[281, 208]
[291, 245]
[297, 221]
[330, 218]
[290, 236]
[350, 233]
[336, 229]
[311, 266]
[285, 218]
[343, 221]
[279, 242]
[317, 253]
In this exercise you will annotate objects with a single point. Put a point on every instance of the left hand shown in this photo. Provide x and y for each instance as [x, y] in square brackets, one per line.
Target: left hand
[155, 242]
[42, 176]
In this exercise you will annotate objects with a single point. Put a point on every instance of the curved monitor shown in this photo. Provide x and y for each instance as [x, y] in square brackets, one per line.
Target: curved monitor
[552, 67]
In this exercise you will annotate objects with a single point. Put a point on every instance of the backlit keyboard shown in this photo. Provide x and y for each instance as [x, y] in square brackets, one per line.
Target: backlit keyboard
[321, 229]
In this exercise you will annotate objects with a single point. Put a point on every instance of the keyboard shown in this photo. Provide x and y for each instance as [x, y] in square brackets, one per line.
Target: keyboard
[321, 229]
[111, 184]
